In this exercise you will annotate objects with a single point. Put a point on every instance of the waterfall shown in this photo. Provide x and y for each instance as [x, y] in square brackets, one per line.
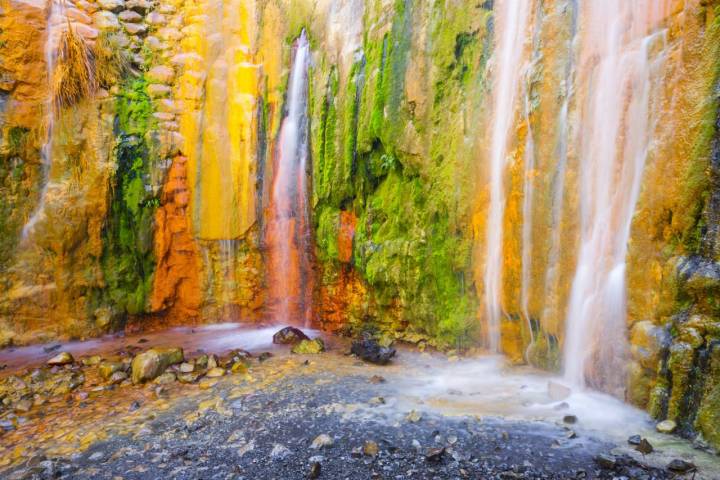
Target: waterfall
[288, 231]
[615, 73]
[54, 25]
[511, 23]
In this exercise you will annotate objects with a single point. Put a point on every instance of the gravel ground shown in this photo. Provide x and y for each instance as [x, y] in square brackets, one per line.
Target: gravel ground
[267, 432]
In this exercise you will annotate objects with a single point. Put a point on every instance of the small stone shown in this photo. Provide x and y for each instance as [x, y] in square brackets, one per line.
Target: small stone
[139, 6]
[117, 377]
[309, 347]
[605, 461]
[434, 455]
[106, 369]
[570, 419]
[321, 441]
[150, 364]
[130, 16]
[105, 20]
[23, 406]
[570, 435]
[680, 466]
[161, 392]
[161, 74]
[279, 452]
[135, 405]
[452, 439]
[165, 378]
[156, 19]
[188, 377]
[264, 356]
[413, 416]
[91, 361]
[376, 379]
[666, 426]
[370, 448]
[187, 367]
[215, 372]
[157, 90]
[239, 367]
[314, 470]
[112, 5]
[371, 351]
[644, 447]
[377, 401]
[135, 28]
[62, 358]
[634, 440]
[212, 362]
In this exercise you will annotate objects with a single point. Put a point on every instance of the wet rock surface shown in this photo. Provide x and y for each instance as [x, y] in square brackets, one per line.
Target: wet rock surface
[295, 419]
[289, 336]
[371, 351]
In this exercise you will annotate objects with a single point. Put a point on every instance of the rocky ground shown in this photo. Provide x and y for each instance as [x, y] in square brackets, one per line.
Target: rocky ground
[291, 416]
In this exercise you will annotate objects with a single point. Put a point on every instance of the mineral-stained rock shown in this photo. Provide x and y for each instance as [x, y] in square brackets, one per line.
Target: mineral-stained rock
[309, 347]
[150, 364]
[289, 336]
[62, 358]
[106, 369]
[371, 351]
[215, 372]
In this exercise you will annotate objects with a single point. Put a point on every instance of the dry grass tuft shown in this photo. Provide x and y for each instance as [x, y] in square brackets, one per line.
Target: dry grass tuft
[111, 60]
[74, 77]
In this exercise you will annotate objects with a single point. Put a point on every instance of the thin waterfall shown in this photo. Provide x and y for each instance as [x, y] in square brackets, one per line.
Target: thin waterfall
[56, 13]
[288, 232]
[617, 66]
[528, 195]
[511, 21]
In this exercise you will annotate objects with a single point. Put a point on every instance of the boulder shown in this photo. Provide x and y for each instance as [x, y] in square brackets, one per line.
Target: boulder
[289, 336]
[62, 358]
[309, 347]
[150, 364]
[371, 351]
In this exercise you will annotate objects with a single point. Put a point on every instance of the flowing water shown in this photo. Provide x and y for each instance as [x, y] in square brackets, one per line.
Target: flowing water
[619, 57]
[54, 25]
[288, 231]
[511, 25]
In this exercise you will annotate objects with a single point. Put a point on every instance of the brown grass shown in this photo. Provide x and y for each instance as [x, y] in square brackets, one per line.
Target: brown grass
[74, 77]
[111, 60]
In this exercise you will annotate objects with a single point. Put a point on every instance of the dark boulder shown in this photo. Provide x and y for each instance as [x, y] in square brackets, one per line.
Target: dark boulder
[289, 336]
[371, 351]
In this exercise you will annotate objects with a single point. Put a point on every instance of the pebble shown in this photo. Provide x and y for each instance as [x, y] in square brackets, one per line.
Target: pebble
[215, 372]
[280, 452]
[680, 466]
[370, 448]
[570, 419]
[62, 358]
[413, 416]
[321, 441]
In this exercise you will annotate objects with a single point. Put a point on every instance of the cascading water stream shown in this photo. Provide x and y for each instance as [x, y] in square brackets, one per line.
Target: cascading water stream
[511, 22]
[616, 74]
[54, 24]
[288, 231]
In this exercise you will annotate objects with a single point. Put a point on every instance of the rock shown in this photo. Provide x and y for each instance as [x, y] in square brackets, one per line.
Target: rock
[376, 379]
[370, 448]
[23, 406]
[212, 362]
[309, 347]
[570, 419]
[188, 377]
[139, 6]
[215, 372]
[156, 90]
[634, 440]
[105, 20]
[130, 16]
[62, 358]
[371, 351]
[289, 336]
[112, 5]
[321, 441]
[666, 426]
[377, 401]
[156, 19]
[239, 367]
[413, 416]
[264, 356]
[644, 447]
[106, 369]
[150, 364]
[187, 367]
[314, 470]
[279, 452]
[91, 361]
[680, 466]
[434, 455]
[607, 462]
[117, 377]
[161, 74]
[135, 405]
[135, 28]
[165, 378]
[558, 392]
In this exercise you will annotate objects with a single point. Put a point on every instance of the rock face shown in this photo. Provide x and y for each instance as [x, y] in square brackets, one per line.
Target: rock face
[150, 364]
[151, 194]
